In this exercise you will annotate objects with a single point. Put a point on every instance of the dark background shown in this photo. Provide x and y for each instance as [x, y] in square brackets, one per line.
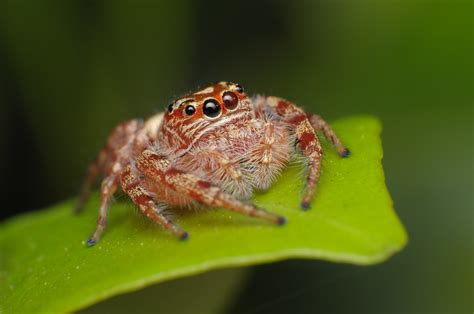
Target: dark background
[71, 70]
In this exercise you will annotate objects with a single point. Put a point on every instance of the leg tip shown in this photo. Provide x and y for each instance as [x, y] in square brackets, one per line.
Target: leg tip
[184, 236]
[305, 205]
[91, 242]
[281, 221]
[345, 153]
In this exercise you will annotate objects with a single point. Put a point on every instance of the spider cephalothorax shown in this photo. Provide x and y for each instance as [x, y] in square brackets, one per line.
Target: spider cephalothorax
[190, 117]
[213, 147]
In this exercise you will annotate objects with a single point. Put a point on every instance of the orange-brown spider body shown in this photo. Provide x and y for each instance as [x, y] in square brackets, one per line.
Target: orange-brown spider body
[213, 147]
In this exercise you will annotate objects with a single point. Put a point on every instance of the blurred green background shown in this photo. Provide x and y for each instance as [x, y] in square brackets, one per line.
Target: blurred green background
[71, 70]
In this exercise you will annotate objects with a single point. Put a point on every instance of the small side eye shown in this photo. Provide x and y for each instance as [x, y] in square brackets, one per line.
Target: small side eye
[189, 110]
[239, 88]
[211, 108]
[170, 107]
[230, 100]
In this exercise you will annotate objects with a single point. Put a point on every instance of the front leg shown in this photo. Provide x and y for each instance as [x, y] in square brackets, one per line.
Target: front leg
[307, 140]
[161, 171]
[137, 189]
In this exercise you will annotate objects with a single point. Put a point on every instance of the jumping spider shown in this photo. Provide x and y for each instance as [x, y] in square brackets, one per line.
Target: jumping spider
[212, 147]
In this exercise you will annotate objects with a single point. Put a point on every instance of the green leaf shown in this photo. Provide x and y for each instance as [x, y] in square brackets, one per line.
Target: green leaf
[47, 268]
[168, 296]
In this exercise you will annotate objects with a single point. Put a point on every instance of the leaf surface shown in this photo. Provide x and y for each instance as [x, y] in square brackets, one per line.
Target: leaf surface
[45, 266]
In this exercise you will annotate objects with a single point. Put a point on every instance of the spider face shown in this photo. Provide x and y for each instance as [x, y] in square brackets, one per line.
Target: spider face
[211, 103]
[202, 112]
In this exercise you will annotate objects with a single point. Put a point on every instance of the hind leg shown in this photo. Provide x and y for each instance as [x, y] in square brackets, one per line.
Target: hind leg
[123, 135]
[319, 124]
[93, 171]
[111, 160]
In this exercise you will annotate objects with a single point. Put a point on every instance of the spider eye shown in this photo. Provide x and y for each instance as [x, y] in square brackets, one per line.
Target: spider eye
[211, 108]
[230, 100]
[190, 110]
[239, 88]
[170, 107]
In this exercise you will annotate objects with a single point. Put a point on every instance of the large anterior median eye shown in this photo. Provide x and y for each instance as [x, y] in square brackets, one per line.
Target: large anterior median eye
[230, 100]
[211, 108]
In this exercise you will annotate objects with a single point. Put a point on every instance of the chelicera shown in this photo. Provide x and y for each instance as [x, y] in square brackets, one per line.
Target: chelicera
[213, 148]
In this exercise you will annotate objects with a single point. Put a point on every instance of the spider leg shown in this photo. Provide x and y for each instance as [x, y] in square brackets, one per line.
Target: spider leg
[118, 152]
[107, 190]
[135, 187]
[160, 170]
[93, 171]
[319, 124]
[122, 136]
[307, 140]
